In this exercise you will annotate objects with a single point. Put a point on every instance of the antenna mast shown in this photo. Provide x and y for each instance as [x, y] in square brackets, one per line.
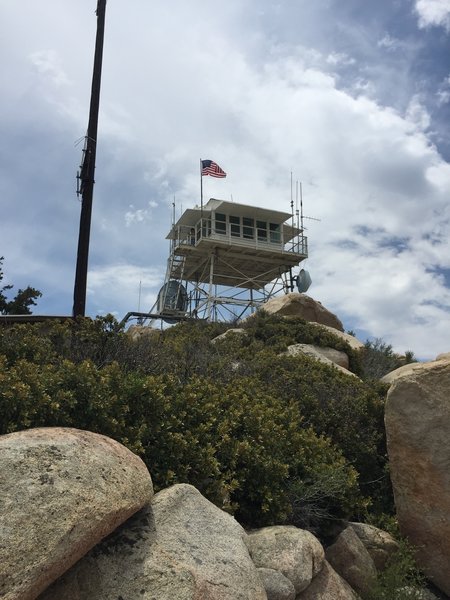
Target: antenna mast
[87, 170]
[301, 206]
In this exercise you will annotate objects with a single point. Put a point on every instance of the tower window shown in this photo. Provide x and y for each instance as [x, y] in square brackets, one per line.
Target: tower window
[248, 226]
[221, 223]
[275, 233]
[235, 226]
[261, 227]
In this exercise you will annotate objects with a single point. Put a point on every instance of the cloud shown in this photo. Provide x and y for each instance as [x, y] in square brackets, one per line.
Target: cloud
[417, 113]
[119, 288]
[332, 103]
[433, 13]
[49, 64]
[390, 43]
[339, 58]
[140, 215]
[443, 93]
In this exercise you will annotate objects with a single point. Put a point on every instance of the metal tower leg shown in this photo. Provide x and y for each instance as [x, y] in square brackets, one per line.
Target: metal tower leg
[210, 290]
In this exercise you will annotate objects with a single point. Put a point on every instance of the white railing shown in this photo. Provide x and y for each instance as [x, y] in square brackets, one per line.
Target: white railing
[245, 236]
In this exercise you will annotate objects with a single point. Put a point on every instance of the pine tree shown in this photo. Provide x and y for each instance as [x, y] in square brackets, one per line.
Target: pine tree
[20, 304]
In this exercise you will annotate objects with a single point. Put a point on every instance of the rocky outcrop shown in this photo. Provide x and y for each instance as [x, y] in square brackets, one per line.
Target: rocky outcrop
[323, 355]
[378, 543]
[61, 492]
[182, 547]
[296, 553]
[353, 342]
[277, 586]
[228, 333]
[300, 305]
[417, 419]
[412, 367]
[138, 332]
[328, 585]
[349, 557]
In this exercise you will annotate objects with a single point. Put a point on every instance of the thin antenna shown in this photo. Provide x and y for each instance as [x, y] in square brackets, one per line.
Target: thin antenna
[139, 300]
[293, 222]
[296, 205]
[292, 203]
[301, 206]
[172, 240]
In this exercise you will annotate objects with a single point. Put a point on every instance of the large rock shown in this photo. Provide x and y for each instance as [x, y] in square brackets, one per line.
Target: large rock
[378, 543]
[61, 492]
[412, 367]
[349, 557]
[142, 332]
[300, 305]
[323, 355]
[296, 553]
[181, 547]
[229, 332]
[417, 419]
[277, 586]
[353, 342]
[328, 585]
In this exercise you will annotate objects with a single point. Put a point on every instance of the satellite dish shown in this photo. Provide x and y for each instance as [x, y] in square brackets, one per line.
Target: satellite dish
[172, 297]
[303, 281]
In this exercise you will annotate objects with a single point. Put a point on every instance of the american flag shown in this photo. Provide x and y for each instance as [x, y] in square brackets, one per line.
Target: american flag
[209, 167]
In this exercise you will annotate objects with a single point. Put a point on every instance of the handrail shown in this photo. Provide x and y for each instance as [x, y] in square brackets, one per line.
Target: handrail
[191, 236]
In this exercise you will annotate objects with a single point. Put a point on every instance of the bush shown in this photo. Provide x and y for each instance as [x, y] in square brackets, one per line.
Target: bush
[378, 359]
[237, 444]
[278, 333]
[272, 438]
[401, 579]
[52, 342]
[347, 411]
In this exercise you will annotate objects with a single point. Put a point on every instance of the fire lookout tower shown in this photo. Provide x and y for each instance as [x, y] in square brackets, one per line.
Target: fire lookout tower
[226, 258]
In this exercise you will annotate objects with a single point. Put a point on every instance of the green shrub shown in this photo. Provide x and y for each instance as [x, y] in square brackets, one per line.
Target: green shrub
[51, 342]
[378, 359]
[278, 333]
[347, 411]
[272, 438]
[237, 444]
[401, 579]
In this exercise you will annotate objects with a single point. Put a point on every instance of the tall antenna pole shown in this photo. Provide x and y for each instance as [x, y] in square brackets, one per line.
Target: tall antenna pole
[201, 188]
[87, 172]
[301, 206]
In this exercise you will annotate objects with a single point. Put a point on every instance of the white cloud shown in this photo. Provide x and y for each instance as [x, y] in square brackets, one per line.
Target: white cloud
[49, 64]
[176, 88]
[340, 58]
[443, 93]
[433, 13]
[417, 114]
[389, 43]
[140, 215]
[122, 288]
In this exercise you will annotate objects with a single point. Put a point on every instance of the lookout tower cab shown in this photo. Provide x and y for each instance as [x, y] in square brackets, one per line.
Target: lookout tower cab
[226, 254]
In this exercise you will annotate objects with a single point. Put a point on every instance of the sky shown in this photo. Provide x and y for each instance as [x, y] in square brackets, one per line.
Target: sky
[352, 97]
